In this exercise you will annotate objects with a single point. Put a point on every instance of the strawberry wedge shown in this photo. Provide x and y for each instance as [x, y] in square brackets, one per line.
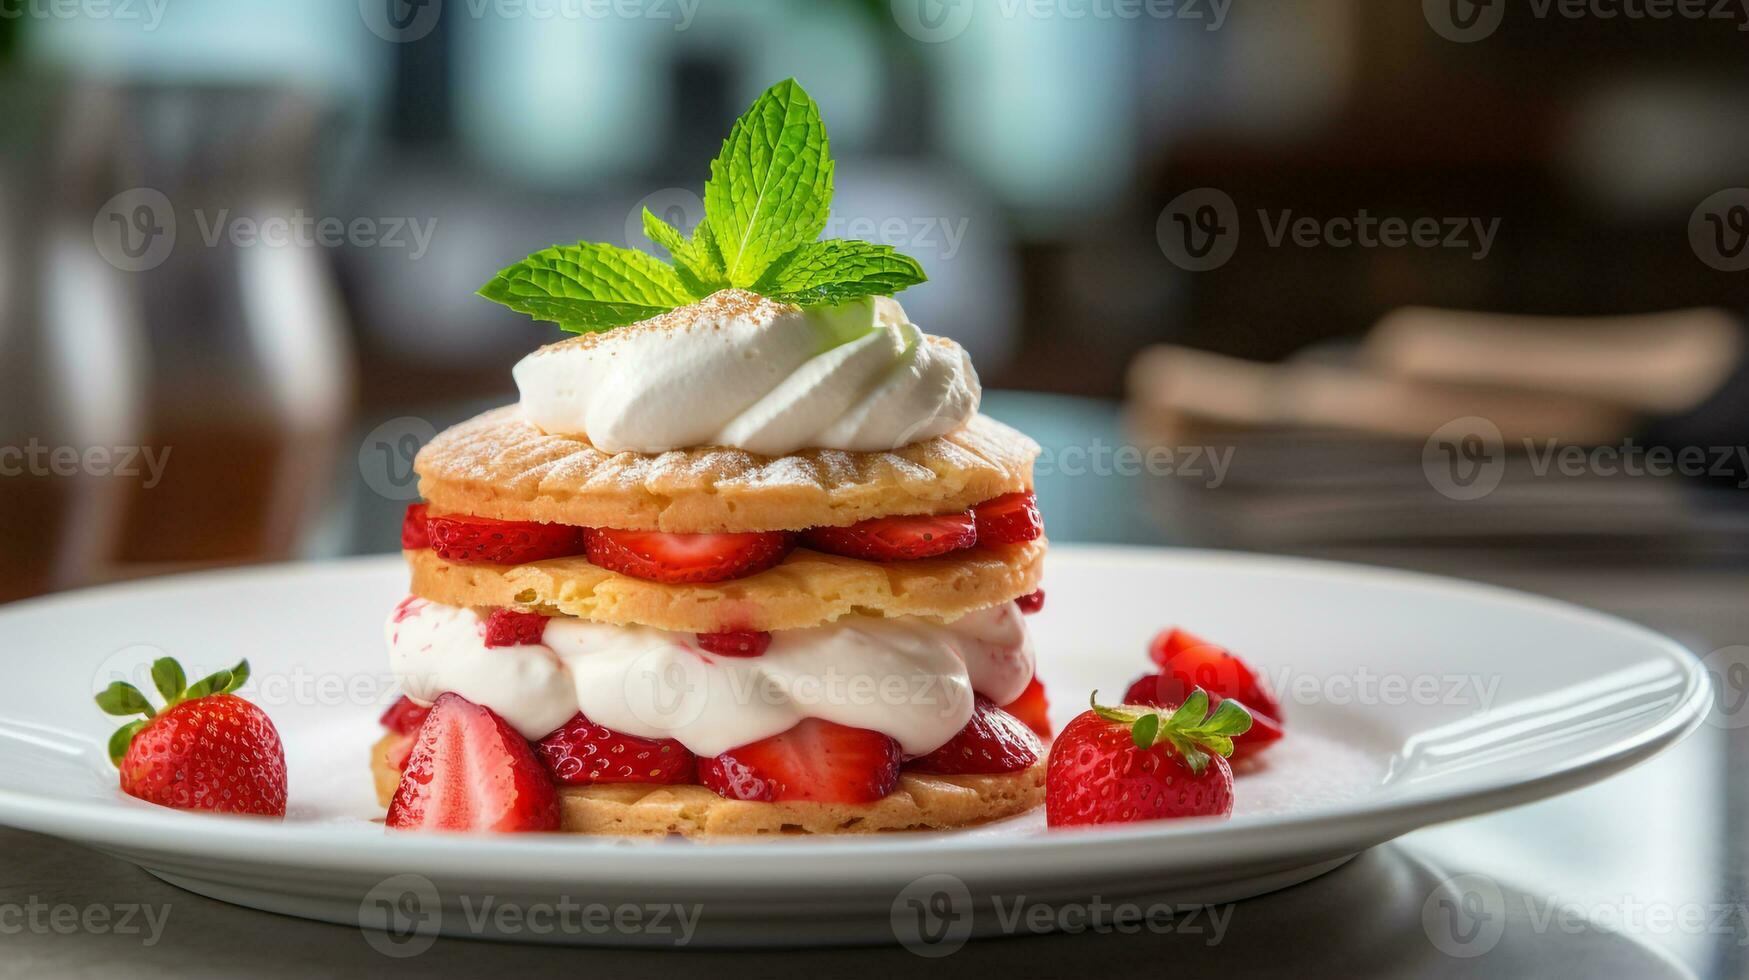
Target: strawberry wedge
[658, 556]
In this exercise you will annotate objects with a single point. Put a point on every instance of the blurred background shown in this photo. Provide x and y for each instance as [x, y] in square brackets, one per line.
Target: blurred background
[1437, 284]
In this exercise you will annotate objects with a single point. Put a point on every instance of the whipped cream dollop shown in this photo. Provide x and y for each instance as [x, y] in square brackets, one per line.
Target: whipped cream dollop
[737, 369]
[909, 678]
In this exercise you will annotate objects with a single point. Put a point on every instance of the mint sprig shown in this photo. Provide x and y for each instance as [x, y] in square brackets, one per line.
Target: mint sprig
[1191, 731]
[836, 271]
[771, 186]
[766, 203]
[123, 699]
[588, 286]
[696, 259]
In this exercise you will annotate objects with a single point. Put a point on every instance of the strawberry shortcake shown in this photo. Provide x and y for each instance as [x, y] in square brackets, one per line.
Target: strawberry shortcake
[744, 558]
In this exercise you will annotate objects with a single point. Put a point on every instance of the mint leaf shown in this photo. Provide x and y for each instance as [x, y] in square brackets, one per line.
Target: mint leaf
[665, 235]
[699, 270]
[836, 270]
[771, 185]
[766, 202]
[588, 286]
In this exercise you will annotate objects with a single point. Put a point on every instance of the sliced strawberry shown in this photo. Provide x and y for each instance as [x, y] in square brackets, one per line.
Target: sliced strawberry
[1009, 519]
[459, 538]
[1032, 708]
[1165, 690]
[470, 771]
[896, 538]
[509, 628]
[414, 535]
[992, 741]
[1199, 663]
[405, 716]
[815, 760]
[398, 752]
[1265, 731]
[676, 558]
[1031, 602]
[581, 752]
[735, 643]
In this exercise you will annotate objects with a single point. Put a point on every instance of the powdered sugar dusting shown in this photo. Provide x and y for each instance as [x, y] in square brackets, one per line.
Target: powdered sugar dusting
[706, 314]
[498, 446]
[498, 465]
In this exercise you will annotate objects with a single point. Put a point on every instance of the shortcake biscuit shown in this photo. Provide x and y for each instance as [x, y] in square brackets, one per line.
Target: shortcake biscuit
[922, 802]
[497, 465]
[809, 588]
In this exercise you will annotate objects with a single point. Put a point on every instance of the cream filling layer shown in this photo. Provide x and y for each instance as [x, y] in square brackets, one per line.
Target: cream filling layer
[908, 677]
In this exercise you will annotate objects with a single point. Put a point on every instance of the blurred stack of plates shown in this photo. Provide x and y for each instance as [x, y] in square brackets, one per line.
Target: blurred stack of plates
[1532, 435]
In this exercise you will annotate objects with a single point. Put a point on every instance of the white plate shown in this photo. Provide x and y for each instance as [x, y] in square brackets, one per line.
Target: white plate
[1410, 700]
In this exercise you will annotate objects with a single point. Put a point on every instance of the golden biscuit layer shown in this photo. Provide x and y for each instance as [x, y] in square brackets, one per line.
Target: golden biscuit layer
[496, 465]
[808, 589]
[922, 802]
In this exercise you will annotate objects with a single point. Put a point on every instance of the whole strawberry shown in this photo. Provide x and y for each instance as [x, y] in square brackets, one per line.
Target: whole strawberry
[206, 749]
[1131, 762]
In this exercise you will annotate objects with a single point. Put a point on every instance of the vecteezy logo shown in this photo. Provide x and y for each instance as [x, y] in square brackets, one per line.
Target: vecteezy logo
[132, 664]
[400, 915]
[933, 21]
[1199, 229]
[932, 916]
[1465, 916]
[400, 21]
[676, 205]
[667, 686]
[1465, 459]
[1464, 21]
[1727, 668]
[135, 230]
[1718, 230]
[385, 457]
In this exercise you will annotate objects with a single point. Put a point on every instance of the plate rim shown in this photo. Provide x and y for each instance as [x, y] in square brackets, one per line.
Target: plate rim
[323, 846]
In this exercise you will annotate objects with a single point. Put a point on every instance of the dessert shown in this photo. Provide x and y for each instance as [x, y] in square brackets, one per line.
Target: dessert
[743, 559]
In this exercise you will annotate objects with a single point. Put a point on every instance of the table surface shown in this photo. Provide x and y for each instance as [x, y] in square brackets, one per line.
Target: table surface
[1641, 875]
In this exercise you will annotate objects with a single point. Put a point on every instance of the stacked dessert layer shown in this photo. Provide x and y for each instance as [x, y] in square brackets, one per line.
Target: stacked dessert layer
[739, 568]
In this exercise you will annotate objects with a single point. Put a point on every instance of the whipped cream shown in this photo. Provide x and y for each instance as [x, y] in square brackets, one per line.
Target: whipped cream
[736, 369]
[909, 678]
